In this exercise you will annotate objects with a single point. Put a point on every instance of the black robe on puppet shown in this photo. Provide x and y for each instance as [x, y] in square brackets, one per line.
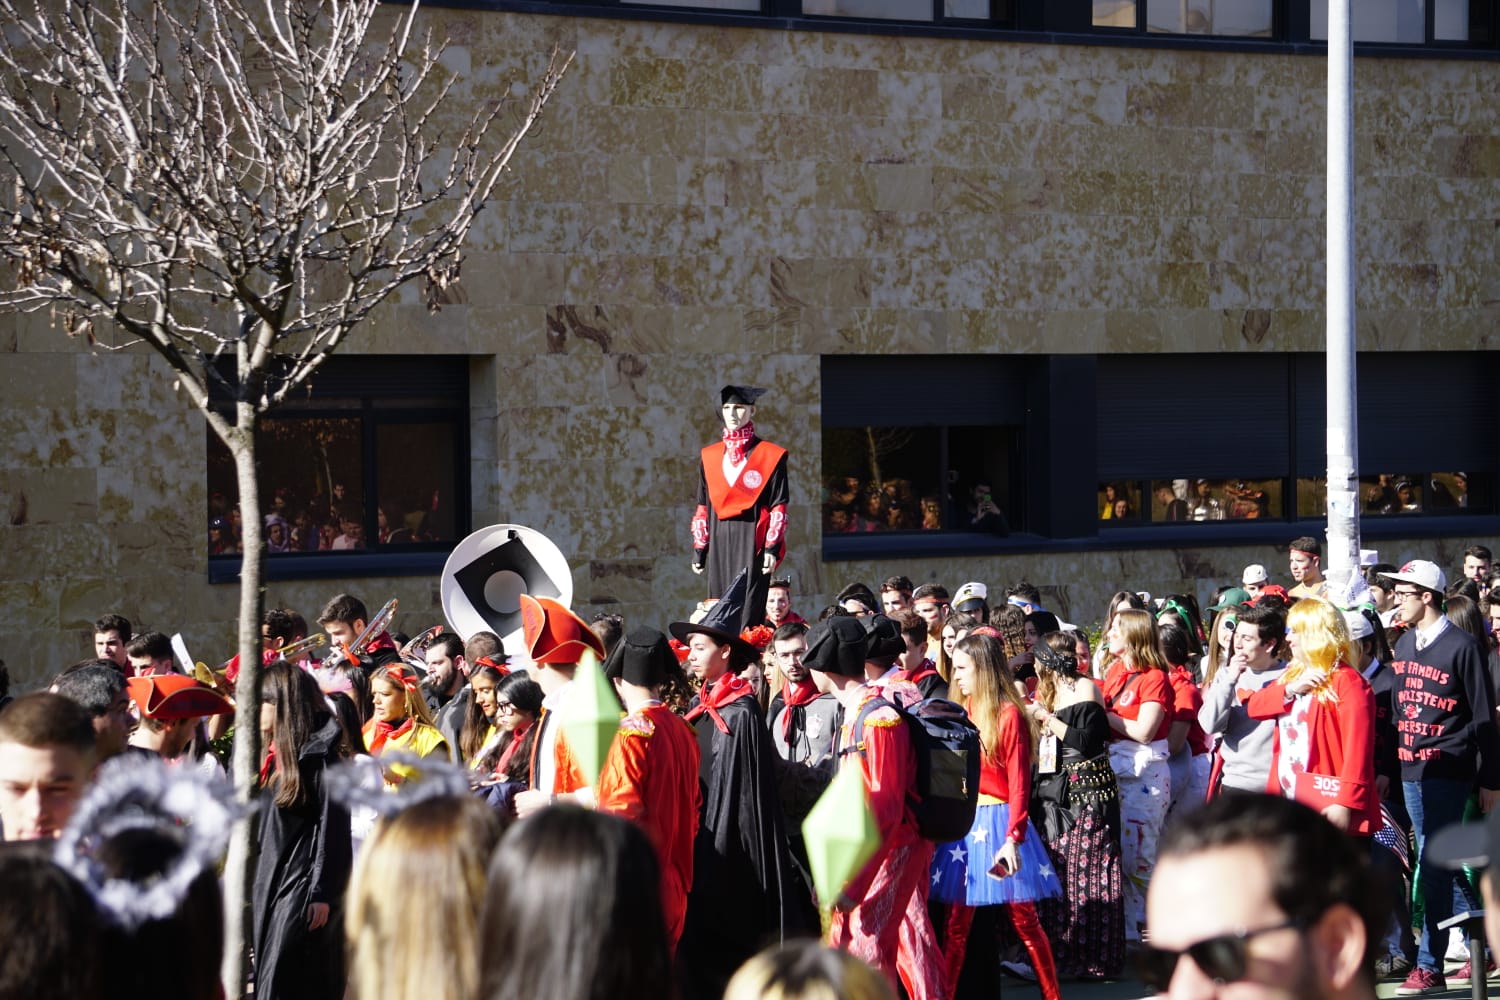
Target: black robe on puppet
[747, 892]
[305, 857]
[741, 509]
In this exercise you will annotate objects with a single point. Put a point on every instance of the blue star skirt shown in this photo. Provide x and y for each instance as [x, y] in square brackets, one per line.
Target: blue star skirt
[960, 870]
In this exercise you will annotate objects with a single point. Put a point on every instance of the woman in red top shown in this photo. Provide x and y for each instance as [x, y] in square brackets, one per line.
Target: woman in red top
[999, 865]
[1187, 745]
[1323, 754]
[1139, 702]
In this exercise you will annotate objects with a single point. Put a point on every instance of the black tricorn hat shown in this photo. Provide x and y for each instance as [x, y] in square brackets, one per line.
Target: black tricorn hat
[721, 623]
[882, 637]
[837, 645]
[746, 394]
[642, 658]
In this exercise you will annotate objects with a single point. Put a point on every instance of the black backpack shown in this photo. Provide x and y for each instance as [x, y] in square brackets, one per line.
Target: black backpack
[946, 795]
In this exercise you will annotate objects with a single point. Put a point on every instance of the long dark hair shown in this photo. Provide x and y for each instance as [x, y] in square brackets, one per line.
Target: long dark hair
[193, 934]
[526, 695]
[573, 912]
[300, 712]
[476, 727]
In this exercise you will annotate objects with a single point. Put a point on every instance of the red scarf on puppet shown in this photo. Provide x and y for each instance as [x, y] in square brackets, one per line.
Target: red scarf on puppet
[736, 440]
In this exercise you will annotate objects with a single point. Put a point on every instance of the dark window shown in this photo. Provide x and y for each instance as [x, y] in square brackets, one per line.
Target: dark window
[923, 444]
[1210, 438]
[370, 459]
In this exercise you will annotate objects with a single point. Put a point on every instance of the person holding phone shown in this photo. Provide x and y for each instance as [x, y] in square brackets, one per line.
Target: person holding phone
[1002, 864]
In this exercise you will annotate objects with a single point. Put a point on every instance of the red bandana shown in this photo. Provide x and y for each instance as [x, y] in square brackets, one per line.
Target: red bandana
[728, 688]
[796, 694]
[735, 442]
[385, 731]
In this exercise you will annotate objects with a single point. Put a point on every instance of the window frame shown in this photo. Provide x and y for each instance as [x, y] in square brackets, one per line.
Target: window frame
[424, 378]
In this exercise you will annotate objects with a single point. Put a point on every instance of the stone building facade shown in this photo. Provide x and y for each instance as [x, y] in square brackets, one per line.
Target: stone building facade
[705, 204]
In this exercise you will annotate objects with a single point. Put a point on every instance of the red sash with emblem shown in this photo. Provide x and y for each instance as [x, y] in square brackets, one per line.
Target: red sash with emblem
[732, 499]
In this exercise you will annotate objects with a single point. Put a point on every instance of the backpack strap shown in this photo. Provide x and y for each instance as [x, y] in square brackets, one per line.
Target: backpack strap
[857, 730]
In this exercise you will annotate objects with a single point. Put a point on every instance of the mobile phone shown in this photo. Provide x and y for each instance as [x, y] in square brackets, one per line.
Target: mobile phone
[1001, 869]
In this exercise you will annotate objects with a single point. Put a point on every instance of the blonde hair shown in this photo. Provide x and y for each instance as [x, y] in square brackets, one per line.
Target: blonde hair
[1142, 641]
[441, 842]
[806, 970]
[994, 687]
[416, 706]
[1323, 643]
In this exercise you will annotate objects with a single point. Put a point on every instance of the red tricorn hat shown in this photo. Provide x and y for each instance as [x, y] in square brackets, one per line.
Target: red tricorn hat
[553, 634]
[170, 697]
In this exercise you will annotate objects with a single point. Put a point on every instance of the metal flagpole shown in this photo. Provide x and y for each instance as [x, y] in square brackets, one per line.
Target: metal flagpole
[1342, 557]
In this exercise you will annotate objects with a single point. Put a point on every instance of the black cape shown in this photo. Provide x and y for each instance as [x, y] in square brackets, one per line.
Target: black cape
[304, 858]
[746, 892]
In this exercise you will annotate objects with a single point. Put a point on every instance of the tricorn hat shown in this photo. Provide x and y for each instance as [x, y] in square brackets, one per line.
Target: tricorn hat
[553, 634]
[722, 622]
[643, 658]
[746, 394]
[837, 645]
[171, 697]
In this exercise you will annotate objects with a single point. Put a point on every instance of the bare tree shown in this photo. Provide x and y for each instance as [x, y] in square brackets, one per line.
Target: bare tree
[236, 183]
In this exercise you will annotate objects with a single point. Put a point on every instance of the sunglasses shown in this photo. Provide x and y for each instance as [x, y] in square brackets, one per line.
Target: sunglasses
[1222, 959]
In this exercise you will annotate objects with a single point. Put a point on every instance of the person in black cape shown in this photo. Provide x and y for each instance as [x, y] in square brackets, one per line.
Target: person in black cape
[305, 854]
[746, 892]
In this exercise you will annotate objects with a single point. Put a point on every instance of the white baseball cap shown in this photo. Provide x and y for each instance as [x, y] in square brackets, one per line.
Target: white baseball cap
[1359, 625]
[1422, 573]
[1254, 573]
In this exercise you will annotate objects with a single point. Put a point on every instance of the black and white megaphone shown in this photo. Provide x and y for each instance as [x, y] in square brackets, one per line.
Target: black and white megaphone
[484, 578]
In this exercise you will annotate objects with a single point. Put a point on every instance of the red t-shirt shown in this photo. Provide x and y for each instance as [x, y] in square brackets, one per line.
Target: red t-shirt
[1125, 691]
[1006, 773]
[1187, 699]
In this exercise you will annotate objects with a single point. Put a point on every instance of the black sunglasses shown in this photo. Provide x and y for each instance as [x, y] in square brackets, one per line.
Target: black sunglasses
[1222, 959]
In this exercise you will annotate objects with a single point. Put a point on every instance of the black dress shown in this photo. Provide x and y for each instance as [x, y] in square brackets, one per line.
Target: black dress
[305, 857]
[1087, 924]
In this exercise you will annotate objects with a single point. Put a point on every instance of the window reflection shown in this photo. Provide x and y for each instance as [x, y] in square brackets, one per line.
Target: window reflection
[882, 479]
[1190, 500]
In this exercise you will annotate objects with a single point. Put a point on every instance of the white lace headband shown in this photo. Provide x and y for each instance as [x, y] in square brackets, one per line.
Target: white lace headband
[356, 783]
[131, 793]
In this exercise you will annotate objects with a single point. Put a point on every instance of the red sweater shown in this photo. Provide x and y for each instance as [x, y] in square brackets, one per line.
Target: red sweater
[1005, 770]
[1125, 691]
[1341, 745]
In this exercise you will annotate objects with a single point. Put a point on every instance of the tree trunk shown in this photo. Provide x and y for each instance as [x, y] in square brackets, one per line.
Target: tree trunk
[245, 764]
[876, 481]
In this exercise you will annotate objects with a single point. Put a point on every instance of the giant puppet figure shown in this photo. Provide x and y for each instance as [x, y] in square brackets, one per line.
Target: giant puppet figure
[740, 520]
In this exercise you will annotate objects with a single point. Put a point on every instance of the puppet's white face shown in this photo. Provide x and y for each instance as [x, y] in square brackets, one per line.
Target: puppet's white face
[737, 415]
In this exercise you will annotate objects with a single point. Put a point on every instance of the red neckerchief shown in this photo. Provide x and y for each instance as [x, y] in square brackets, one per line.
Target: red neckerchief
[385, 731]
[795, 695]
[268, 765]
[728, 688]
[516, 736]
[381, 641]
[735, 441]
[924, 670]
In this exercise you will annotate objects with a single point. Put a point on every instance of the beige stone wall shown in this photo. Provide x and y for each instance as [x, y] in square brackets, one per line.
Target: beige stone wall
[702, 205]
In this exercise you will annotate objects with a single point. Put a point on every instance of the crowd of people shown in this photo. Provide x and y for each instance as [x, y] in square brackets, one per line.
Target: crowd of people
[425, 826]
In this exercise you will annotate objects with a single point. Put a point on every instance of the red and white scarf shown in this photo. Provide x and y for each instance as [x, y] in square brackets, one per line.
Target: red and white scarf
[736, 440]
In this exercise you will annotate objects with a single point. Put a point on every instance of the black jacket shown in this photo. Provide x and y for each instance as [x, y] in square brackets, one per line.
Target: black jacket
[304, 857]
